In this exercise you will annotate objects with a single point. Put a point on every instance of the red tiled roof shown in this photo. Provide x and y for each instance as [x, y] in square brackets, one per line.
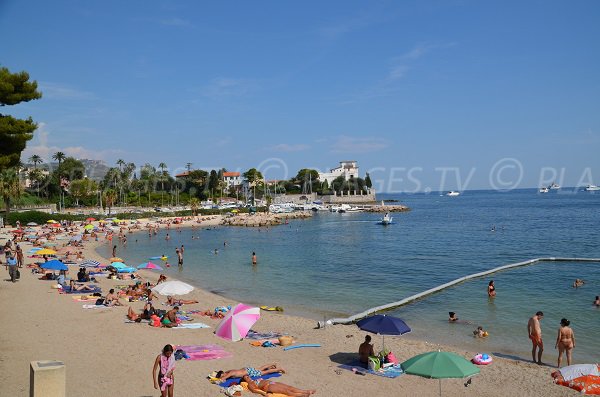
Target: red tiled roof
[184, 173]
[231, 174]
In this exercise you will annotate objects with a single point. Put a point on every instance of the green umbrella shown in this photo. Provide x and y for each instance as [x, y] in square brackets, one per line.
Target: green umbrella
[439, 365]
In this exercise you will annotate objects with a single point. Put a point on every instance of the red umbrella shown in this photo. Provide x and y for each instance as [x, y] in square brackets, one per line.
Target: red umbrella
[17, 231]
[55, 225]
[90, 219]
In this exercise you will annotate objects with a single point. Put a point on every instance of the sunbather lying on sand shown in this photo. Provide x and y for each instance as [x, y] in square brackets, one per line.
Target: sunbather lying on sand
[179, 302]
[238, 373]
[261, 386]
[80, 287]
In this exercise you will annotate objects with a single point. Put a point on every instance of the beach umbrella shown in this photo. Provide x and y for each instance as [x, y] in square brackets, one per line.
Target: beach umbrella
[55, 225]
[149, 265]
[115, 259]
[118, 265]
[174, 287]
[237, 322]
[90, 219]
[46, 251]
[51, 221]
[381, 324]
[54, 264]
[88, 227]
[90, 263]
[32, 224]
[439, 365]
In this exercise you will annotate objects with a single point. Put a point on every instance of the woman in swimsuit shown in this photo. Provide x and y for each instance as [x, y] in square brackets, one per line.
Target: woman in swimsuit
[165, 380]
[491, 289]
[270, 388]
[565, 341]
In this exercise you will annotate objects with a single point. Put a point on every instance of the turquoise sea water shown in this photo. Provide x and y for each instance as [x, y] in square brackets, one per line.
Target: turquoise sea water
[340, 264]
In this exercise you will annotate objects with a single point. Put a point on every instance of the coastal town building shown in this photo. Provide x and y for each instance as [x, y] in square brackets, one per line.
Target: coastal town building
[232, 179]
[347, 169]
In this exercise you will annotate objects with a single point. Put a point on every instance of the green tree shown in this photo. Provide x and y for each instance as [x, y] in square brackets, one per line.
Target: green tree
[9, 187]
[368, 182]
[70, 168]
[110, 198]
[213, 180]
[59, 156]
[253, 176]
[14, 133]
[35, 159]
[82, 188]
[194, 205]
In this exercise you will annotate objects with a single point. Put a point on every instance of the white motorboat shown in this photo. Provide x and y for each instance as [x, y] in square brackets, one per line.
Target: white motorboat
[592, 188]
[452, 193]
[386, 220]
[554, 186]
[543, 190]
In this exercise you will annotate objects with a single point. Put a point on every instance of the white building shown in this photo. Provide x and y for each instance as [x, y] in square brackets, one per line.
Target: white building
[232, 179]
[347, 169]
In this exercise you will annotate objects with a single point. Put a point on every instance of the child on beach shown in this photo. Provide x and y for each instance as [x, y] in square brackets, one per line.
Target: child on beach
[166, 362]
[480, 333]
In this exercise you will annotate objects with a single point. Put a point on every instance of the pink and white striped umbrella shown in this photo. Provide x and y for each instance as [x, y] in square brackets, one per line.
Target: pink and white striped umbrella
[237, 322]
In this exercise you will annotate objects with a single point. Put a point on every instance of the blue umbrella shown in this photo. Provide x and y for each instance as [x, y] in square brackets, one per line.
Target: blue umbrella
[381, 324]
[54, 264]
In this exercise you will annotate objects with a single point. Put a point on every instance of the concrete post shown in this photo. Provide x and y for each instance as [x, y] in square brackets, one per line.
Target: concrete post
[47, 379]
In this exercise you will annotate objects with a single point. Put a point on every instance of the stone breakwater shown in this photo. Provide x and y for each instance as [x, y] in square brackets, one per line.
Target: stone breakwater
[388, 208]
[258, 220]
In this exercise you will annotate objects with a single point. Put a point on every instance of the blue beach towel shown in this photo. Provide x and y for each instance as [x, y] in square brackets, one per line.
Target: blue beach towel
[67, 290]
[389, 372]
[236, 381]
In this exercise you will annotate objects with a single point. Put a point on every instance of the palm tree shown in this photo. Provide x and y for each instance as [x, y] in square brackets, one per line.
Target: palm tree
[110, 197]
[35, 159]
[194, 204]
[9, 187]
[59, 156]
[162, 167]
[120, 163]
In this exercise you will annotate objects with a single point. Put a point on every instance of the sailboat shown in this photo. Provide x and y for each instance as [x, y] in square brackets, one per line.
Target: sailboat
[386, 220]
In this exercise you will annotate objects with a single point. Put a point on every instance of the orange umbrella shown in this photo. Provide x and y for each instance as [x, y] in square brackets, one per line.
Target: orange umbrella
[90, 219]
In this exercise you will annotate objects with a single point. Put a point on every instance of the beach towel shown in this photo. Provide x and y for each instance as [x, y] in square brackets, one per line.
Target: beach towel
[232, 381]
[67, 290]
[262, 335]
[191, 326]
[588, 384]
[245, 387]
[79, 298]
[392, 371]
[97, 307]
[167, 366]
[203, 352]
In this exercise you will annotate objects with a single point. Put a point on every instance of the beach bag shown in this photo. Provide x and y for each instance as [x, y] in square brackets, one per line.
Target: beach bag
[391, 358]
[17, 274]
[374, 363]
[99, 301]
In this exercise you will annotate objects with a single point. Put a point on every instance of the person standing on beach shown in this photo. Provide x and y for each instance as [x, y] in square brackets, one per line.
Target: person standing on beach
[565, 341]
[114, 254]
[19, 256]
[165, 379]
[254, 260]
[534, 330]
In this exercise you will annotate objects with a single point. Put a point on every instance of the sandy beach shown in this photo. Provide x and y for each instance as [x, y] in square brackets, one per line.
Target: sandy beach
[105, 355]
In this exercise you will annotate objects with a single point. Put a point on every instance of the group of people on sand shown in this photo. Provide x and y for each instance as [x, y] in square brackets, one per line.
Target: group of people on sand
[565, 339]
[163, 377]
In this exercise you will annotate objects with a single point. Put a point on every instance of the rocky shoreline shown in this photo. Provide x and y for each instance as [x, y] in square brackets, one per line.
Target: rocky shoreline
[263, 219]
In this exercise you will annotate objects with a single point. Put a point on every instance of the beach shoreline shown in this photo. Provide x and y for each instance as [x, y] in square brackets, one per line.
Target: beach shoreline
[98, 345]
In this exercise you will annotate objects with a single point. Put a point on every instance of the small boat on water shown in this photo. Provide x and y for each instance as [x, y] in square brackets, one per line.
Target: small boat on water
[543, 190]
[592, 188]
[386, 220]
[554, 186]
[452, 193]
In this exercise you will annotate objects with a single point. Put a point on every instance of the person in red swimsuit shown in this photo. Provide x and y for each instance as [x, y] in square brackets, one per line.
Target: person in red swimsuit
[534, 330]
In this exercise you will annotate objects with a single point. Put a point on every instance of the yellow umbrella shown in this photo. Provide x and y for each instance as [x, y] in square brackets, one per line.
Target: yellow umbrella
[51, 221]
[46, 251]
[88, 227]
[115, 259]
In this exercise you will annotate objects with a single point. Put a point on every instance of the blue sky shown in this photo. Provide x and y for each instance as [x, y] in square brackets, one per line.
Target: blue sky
[434, 95]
